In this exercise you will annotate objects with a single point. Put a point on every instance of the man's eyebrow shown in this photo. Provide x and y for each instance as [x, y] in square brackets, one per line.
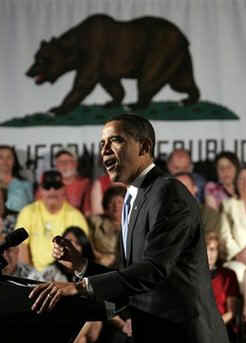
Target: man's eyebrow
[116, 136]
[113, 136]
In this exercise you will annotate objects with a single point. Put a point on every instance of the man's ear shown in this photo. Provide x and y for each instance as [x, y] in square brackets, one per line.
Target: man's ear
[145, 146]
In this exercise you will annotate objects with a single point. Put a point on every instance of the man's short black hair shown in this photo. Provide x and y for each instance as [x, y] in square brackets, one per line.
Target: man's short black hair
[137, 127]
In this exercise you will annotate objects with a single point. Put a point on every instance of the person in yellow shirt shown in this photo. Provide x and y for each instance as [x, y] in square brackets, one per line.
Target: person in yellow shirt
[46, 218]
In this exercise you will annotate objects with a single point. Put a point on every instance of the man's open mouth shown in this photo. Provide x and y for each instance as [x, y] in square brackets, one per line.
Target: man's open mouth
[110, 164]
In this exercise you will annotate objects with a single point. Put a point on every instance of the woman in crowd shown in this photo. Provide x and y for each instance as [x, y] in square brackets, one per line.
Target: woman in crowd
[105, 228]
[224, 282]
[227, 166]
[19, 191]
[233, 227]
[64, 271]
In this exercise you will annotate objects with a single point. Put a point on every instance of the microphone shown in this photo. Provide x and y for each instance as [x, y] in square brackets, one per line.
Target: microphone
[13, 239]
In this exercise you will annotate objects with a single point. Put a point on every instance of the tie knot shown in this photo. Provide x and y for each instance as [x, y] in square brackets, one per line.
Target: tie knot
[128, 198]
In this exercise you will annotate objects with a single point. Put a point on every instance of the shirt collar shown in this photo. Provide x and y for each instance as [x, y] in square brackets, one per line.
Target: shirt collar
[133, 188]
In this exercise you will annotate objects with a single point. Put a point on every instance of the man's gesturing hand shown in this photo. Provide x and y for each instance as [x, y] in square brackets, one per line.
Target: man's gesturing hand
[47, 295]
[65, 253]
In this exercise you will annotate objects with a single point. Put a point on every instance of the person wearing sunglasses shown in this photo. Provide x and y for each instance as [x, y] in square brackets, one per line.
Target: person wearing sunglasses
[46, 218]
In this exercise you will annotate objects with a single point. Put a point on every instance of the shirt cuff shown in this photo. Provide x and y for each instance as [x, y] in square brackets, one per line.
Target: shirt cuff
[80, 274]
[84, 288]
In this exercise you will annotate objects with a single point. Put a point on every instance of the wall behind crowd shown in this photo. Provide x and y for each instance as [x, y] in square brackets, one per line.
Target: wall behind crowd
[216, 31]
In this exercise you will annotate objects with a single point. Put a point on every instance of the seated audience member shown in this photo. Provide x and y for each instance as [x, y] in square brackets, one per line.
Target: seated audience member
[77, 188]
[46, 218]
[114, 330]
[227, 166]
[7, 217]
[19, 191]
[211, 219]
[224, 283]
[64, 271]
[233, 229]
[17, 269]
[180, 161]
[105, 228]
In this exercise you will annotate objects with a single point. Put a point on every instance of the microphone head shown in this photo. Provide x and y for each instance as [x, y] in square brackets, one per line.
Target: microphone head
[16, 237]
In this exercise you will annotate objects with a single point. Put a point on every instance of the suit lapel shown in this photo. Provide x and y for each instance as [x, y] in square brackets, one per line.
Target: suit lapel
[138, 203]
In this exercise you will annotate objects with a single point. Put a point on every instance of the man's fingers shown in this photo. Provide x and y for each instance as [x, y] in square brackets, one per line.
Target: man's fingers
[42, 301]
[47, 295]
[44, 295]
[62, 250]
[57, 239]
[36, 290]
[58, 251]
[54, 298]
[49, 299]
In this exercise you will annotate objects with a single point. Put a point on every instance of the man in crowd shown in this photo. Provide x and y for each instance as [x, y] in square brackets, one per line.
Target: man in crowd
[180, 161]
[46, 218]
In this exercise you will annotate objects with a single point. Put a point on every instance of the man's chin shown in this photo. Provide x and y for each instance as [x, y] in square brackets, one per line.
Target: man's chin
[114, 176]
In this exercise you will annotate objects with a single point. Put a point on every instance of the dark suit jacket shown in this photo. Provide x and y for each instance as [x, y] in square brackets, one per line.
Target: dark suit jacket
[165, 272]
[94, 268]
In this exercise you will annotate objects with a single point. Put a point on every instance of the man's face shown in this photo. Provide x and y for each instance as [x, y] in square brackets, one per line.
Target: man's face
[121, 153]
[179, 163]
[53, 198]
[67, 165]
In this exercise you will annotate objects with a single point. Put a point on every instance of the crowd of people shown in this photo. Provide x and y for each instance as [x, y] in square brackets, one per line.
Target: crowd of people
[87, 212]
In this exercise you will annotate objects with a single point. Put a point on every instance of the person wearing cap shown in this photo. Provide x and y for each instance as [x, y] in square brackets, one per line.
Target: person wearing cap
[77, 187]
[46, 218]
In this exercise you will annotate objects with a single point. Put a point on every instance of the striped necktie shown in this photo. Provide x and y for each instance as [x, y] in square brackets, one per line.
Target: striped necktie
[124, 219]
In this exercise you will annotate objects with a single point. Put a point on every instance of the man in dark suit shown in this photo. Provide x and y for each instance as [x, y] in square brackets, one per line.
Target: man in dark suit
[164, 263]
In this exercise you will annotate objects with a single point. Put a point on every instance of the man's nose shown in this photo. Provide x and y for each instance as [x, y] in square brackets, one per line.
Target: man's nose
[106, 148]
